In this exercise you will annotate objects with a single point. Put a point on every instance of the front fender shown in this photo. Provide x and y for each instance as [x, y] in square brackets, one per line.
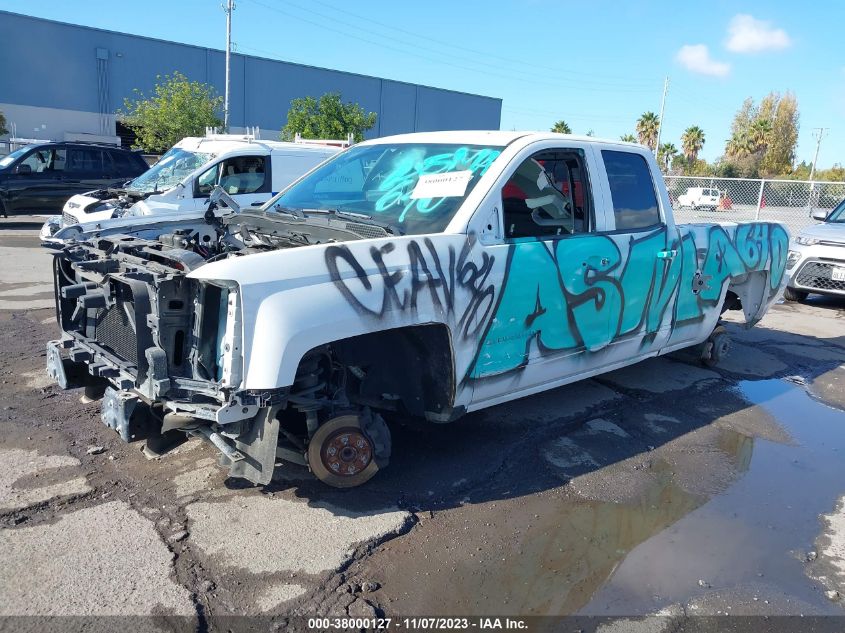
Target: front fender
[297, 299]
[280, 328]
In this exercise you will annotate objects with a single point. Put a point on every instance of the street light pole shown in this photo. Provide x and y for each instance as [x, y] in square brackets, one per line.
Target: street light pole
[228, 8]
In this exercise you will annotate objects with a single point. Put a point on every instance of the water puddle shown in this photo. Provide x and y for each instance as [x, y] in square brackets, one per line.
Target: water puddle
[751, 539]
[714, 512]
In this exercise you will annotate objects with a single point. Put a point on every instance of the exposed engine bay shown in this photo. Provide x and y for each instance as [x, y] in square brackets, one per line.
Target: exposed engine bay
[163, 349]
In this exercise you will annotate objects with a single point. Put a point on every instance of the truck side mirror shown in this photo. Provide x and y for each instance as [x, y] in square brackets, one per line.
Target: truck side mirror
[819, 214]
[24, 169]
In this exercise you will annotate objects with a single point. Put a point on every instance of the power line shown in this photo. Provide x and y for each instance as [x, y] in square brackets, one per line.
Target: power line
[523, 76]
[428, 38]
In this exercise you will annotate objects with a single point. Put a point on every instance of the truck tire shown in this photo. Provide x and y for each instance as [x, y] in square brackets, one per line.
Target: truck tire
[791, 294]
[716, 348]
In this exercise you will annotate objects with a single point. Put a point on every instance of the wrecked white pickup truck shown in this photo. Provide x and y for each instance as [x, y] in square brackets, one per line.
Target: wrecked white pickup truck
[424, 275]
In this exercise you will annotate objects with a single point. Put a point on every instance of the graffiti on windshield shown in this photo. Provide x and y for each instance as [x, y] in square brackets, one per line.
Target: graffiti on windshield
[398, 186]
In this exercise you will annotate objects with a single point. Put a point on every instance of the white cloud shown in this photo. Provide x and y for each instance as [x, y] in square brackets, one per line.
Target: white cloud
[696, 58]
[746, 34]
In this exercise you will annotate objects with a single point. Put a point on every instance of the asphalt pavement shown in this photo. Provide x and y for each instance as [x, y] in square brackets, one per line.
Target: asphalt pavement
[665, 489]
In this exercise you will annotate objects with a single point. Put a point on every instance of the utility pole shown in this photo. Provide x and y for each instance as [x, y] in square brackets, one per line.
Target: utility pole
[819, 133]
[228, 8]
[660, 120]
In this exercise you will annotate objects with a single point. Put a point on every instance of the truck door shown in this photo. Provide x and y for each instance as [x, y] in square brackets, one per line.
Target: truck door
[647, 254]
[553, 308]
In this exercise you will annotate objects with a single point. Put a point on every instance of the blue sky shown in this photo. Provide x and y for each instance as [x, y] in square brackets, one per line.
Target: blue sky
[596, 64]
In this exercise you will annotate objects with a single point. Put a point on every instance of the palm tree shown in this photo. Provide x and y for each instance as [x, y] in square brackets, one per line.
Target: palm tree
[647, 126]
[665, 154]
[758, 133]
[740, 145]
[562, 127]
[692, 140]
[628, 138]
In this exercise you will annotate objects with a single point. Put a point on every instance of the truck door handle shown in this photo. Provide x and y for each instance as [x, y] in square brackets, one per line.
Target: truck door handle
[668, 254]
[604, 261]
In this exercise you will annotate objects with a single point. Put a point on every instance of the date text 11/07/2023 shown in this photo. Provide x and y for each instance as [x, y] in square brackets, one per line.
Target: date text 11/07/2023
[419, 623]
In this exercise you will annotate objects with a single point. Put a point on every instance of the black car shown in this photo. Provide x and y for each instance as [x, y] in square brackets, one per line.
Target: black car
[42, 177]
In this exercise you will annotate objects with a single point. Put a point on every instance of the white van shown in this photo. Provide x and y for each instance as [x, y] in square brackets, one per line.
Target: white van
[700, 198]
[248, 169]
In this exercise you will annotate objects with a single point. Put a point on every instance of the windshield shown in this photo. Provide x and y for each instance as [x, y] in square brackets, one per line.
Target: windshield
[11, 158]
[415, 187]
[169, 170]
[838, 214]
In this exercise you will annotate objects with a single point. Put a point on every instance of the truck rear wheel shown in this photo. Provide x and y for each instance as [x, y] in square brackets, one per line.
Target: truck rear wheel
[791, 294]
[348, 450]
[716, 348]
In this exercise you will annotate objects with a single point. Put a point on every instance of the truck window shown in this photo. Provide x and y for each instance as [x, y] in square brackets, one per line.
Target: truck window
[547, 195]
[238, 175]
[631, 189]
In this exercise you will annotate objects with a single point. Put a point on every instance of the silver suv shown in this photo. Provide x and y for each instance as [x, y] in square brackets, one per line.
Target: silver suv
[816, 262]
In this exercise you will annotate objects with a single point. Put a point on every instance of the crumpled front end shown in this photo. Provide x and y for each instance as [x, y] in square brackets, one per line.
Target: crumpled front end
[166, 349]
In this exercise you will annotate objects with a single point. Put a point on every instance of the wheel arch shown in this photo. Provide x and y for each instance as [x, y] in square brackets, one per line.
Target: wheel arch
[410, 369]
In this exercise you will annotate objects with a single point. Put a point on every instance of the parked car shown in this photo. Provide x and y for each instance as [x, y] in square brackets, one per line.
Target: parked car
[423, 275]
[248, 169]
[42, 177]
[816, 262]
[700, 198]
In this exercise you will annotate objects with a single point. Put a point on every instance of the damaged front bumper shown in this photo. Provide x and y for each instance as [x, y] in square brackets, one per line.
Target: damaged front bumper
[167, 347]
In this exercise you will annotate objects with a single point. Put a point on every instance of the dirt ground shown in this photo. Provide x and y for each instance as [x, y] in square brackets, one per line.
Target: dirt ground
[661, 489]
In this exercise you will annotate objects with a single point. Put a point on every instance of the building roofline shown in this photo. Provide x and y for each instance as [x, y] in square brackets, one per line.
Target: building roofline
[269, 59]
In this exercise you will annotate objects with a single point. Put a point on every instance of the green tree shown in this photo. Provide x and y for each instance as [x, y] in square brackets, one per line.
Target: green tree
[692, 141]
[647, 126]
[665, 153]
[740, 145]
[176, 109]
[561, 127]
[763, 138]
[590, 132]
[3, 129]
[782, 138]
[628, 138]
[326, 117]
[744, 117]
[758, 135]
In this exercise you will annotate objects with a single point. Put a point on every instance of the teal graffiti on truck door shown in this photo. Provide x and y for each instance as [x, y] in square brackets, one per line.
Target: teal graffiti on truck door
[591, 305]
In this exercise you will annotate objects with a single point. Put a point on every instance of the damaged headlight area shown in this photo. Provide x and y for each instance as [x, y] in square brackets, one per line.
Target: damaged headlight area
[165, 350]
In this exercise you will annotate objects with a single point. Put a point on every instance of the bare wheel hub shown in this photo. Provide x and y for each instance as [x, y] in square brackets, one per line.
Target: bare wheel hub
[346, 452]
[349, 449]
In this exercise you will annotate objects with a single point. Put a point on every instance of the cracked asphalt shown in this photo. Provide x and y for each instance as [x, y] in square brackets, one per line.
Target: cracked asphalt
[664, 489]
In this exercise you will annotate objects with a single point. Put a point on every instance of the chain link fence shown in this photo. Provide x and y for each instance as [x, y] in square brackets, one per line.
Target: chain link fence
[711, 199]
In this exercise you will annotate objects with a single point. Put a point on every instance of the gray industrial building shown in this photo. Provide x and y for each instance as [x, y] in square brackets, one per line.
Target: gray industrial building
[69, 85]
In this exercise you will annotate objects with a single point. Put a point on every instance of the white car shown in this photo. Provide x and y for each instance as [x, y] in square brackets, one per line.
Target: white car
[424, 275]
[700, 198]
[816, 262]
[248, 169]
